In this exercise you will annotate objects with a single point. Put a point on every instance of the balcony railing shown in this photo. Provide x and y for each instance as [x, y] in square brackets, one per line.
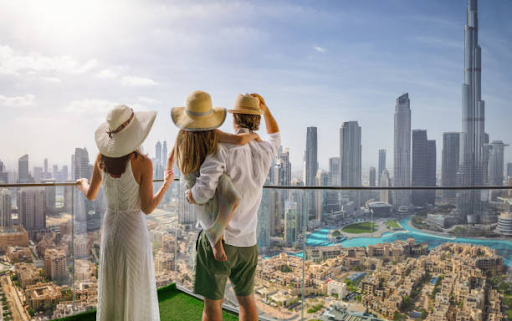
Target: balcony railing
[320, 247]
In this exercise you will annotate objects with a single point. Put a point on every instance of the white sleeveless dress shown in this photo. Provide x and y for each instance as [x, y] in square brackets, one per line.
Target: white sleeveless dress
[127, 286]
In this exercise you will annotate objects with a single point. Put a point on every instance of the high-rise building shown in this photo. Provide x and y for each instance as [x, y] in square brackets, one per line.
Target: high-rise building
[82, 170]
[402, 152]
[310, 169]
[291, 226]
[55, 264]
[4, 176]
[335, 171]
[450, 164]
[496, 163]
[382, 163]
[51, 197]
[322, 179]
[38, 174]
[310, 156]
[472, 136]
[23, 175]
[385, 181]
[5, 208]
[423, 167]
[55, 172]
[46, 174]
[334, 197]
[350, 155]
[164, 153]
[509, 169]
[372, 176]
[32, 209]
[158, 152]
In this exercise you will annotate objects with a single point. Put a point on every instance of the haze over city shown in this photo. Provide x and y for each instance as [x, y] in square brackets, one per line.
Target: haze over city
[62, 66]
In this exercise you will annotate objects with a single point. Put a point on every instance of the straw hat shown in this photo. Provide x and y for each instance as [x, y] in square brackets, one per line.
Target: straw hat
[246, 104]
[124, 131]
[198, 114]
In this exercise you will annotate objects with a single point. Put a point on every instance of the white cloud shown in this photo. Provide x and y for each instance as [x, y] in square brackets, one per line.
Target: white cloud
[90, 106]
[106, 74]
[12, 62]
[18, 101]
[52, 79]
[148, 100]
[319, 49]
[138, 81]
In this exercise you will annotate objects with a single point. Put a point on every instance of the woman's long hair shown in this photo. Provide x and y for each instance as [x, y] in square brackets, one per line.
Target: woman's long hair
[192, 149]
[115, 165]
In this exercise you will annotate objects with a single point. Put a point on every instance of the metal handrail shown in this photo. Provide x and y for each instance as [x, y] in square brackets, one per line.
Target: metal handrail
[301, 187]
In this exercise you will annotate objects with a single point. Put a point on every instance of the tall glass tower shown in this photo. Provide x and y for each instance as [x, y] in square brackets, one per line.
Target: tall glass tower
[473, 121]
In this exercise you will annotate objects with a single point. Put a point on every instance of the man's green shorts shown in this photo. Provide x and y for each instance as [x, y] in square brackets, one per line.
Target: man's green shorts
[211, 275]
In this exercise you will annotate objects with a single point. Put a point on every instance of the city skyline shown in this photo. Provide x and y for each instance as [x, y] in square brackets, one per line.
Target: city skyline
[319, 80]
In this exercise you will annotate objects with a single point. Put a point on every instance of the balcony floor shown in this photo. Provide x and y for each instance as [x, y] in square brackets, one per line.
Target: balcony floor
[174, 305]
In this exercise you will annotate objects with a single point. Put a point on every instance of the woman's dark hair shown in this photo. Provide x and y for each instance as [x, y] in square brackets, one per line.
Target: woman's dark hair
[115, 165]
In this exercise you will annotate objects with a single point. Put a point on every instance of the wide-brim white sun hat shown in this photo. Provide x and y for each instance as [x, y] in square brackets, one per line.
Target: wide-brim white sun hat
[124, 131]
[198, 113]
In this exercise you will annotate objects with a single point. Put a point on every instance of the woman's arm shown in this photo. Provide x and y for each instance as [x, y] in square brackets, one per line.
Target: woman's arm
[91, 190]
[239, 139]
[149, 201]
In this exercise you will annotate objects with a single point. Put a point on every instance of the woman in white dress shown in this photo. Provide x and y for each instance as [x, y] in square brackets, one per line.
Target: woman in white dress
[127, 287]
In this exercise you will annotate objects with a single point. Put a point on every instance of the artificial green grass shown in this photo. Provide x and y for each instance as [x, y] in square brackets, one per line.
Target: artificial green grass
[174, 305]
[359, 228]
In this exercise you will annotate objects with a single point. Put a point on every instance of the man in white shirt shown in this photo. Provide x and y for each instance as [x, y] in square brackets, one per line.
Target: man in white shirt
[248, 167]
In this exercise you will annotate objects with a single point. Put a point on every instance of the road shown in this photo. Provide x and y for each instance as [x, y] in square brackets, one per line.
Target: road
[15, 304]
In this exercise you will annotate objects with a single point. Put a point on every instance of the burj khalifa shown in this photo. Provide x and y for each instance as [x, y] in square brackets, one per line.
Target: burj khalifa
[473, 135]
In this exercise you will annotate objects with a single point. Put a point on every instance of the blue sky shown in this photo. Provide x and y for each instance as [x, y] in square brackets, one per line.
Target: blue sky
[63, 64]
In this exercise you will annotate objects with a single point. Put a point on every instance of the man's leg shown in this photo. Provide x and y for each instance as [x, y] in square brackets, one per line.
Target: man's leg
[212, 310]
[248, 310]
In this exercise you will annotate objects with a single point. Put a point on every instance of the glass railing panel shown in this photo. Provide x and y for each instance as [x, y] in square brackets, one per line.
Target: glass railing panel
[37, 255]
[323, 254]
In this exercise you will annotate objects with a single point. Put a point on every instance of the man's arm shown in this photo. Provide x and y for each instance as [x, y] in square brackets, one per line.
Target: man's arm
[206, 184]
[270, 121]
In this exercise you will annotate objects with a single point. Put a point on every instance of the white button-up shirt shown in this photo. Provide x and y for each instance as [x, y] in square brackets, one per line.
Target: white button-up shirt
[248, 167]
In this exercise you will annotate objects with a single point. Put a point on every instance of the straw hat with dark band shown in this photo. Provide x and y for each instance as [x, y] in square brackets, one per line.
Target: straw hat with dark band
[124, 131]
[198, 114]
[246, 104]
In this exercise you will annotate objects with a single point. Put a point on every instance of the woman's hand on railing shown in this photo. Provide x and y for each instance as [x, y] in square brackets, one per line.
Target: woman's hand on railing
[82, 184]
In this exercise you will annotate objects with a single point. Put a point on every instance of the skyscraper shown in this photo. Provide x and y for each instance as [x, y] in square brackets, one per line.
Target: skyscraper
[291, 226]
[310, 156]
[450, 164]
[372, 176]
[496, 163]
[423, 167]
[473, 121]
[311, 168]
[382, 163]
[158, 152]
[350, 155]
[23, 175]
[164, 153]
[81, 164]
[509, 169]
[46, 174]
[334, 171]
[385, 182]
[322, 179]
[5, 208]
[402, 152]
[32, 209]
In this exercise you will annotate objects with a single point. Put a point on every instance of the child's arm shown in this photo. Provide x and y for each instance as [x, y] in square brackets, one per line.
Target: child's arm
[240, 139]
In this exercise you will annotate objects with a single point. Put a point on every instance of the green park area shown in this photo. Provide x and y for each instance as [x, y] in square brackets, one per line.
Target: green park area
[360, 228]
[392, 224]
